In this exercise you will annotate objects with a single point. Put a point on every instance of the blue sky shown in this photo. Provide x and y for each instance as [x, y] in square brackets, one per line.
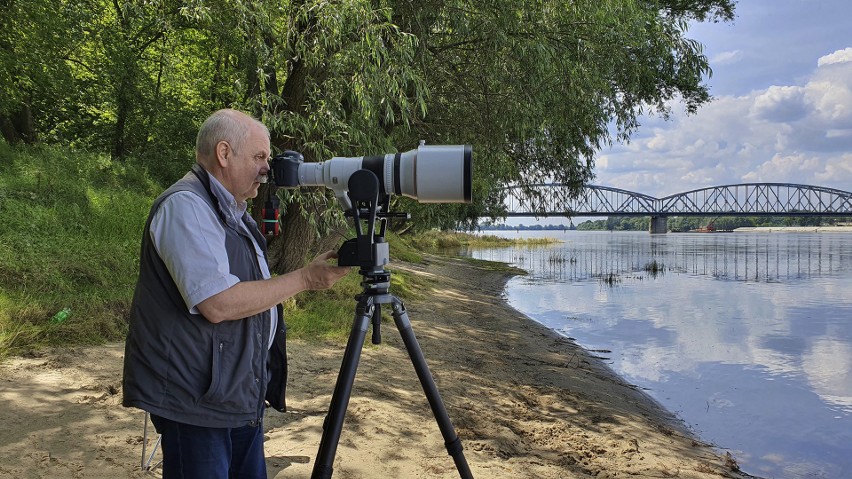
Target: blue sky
[782, 108]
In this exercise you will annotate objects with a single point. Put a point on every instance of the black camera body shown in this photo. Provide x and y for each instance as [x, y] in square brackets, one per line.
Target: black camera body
[285, 168]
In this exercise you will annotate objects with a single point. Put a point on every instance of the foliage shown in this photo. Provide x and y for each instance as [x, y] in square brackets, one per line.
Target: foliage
[617, 223]
[69, 239]
[535, 87]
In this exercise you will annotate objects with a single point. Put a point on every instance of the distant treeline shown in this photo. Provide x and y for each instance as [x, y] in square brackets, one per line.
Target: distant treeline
[678, 223]
[505, 227]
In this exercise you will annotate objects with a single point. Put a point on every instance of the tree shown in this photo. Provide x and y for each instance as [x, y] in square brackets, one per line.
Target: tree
[98, 74]
[33, 34]
[329, 79]
[536, 86]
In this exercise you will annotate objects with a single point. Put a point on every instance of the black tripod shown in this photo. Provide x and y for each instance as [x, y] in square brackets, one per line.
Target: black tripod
[369, 251]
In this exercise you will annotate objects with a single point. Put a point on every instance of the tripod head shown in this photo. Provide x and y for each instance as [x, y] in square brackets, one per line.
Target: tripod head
[368, 250]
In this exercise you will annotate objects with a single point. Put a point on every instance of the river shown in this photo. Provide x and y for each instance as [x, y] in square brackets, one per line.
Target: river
[747, 337]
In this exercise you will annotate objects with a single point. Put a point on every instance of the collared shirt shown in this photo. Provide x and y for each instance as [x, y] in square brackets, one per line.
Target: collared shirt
[189, 238]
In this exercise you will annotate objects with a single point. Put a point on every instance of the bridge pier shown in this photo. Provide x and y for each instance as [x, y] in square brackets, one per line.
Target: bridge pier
[659, 225]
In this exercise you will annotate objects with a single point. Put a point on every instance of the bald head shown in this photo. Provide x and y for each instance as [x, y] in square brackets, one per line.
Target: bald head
[226, 125]
[234, 148]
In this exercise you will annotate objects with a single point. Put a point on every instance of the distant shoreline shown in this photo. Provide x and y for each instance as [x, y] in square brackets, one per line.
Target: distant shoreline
[794, 229]
[742, 229]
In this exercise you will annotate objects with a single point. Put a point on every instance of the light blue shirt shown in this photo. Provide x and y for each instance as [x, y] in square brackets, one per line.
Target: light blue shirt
[190, 240]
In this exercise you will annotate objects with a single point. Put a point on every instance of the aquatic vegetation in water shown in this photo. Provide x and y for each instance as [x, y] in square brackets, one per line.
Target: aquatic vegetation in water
[561, 257]
[610, 279]
[654, 268]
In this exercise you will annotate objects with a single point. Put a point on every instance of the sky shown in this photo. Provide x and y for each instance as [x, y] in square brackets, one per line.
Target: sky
[782, 107]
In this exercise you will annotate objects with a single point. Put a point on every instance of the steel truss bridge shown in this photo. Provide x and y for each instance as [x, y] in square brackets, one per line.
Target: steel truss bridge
[747, 199]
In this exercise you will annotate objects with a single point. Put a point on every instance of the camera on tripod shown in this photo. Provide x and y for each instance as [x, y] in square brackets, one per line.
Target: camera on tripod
[363, 186]
[428, 174]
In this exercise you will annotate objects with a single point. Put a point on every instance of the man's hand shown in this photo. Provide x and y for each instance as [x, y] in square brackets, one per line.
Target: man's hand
[320, 274]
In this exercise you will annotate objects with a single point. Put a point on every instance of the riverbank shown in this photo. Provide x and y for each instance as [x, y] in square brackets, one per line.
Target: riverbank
[794, 229]
[526, 403]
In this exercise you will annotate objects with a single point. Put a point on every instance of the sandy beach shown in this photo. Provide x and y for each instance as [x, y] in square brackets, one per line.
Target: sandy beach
[525, 402]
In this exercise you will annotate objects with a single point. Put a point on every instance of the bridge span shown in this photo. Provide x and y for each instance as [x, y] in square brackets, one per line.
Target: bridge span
[746, 199]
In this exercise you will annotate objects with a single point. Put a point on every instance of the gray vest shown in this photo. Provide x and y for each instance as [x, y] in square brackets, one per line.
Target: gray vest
[179, 365]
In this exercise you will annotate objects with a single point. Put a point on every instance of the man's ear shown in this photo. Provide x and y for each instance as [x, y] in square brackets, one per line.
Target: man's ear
[223, 153]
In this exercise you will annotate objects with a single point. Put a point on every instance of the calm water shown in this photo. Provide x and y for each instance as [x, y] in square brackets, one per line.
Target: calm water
[746, 336]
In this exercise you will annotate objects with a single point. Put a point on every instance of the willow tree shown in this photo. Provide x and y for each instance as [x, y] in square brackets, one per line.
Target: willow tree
[537, 87]
[540, 86]
[329, 79]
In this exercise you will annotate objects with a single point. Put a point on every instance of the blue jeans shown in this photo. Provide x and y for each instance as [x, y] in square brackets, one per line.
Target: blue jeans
[193, 452]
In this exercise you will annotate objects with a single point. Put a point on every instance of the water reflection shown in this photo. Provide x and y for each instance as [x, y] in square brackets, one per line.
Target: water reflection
[739, 257]
[747, 336]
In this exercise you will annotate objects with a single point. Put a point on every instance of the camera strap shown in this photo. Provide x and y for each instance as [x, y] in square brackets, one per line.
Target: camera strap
[204, 177]
[270, 215]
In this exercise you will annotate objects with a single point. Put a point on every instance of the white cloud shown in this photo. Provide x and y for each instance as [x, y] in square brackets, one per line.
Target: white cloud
[727, 58]
[840, 56]
[839, 171]
[782, 167]
[832, 102]
[780, 103]
[798, 133]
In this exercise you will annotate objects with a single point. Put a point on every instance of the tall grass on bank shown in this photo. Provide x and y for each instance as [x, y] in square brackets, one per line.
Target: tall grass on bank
[69, 246]
[69, 240]
[654, 268]
[444, 240]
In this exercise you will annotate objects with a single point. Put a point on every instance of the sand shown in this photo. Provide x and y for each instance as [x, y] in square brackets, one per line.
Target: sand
[525, 402]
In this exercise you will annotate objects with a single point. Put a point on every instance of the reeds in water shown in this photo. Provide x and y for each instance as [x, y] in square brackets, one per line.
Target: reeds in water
[610, 279]
[561, 257]
[654, 268]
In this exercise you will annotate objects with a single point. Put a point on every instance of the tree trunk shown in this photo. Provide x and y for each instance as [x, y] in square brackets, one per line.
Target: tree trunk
[119, 138]
[293, 248]
[8, 130]
[19, 126]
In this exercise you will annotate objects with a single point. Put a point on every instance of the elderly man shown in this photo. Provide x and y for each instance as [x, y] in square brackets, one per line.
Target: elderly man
[205, 348]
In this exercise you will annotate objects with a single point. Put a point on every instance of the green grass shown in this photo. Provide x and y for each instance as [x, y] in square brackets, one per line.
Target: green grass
[328, 314]
[444, 240]
[69, 238]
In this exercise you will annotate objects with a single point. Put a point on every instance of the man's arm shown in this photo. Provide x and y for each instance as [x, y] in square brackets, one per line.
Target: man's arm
[248, 298]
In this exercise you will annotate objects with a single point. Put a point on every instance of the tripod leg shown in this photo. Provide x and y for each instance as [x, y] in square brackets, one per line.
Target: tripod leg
[377, 324]
[333, 425]
[451, 440]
